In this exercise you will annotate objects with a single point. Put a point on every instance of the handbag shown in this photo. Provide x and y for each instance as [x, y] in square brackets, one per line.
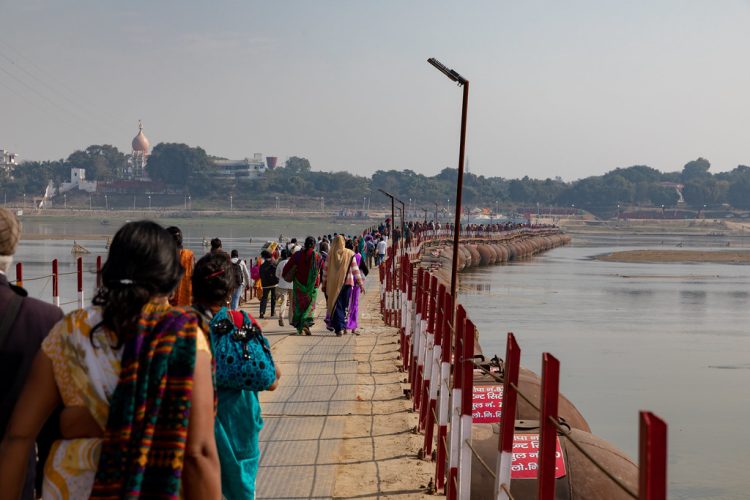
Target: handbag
[242, 353]
[363, 267]
[289, 275]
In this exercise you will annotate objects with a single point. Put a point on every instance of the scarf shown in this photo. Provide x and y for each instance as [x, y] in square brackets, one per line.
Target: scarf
[338, 262]
[144, 444]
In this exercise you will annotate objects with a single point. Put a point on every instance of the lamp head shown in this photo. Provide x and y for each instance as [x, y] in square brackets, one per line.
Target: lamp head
[450, 73]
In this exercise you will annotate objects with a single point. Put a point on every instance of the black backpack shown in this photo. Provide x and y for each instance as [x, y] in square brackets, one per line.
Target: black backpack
[237, 271]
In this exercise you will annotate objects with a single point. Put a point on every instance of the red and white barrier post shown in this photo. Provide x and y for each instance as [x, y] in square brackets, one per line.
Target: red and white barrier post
[508, 418]
[548, 431]
[80, 282]
[467, 387]
[652, 457]
[422, 343]
[428, 351]
[98, 271]
[55, 283]
[19, 274]
[456, 394]
[439, 326]
[415, 336]
[445, 375]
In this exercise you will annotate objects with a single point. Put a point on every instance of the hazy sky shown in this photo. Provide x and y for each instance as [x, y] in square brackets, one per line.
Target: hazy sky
[572, 88]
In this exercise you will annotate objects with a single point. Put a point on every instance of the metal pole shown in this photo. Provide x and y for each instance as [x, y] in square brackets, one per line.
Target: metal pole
[652, 453]
[459, 190]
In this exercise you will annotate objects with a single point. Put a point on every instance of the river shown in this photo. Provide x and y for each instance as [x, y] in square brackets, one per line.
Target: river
[670, 338]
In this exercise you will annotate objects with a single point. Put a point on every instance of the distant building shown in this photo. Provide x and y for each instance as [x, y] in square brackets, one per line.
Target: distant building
[77, 181]
[241, 170]
[139, 156]
[8, 161]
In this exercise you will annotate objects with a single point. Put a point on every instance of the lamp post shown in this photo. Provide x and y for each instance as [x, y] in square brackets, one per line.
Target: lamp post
[231, 203]
[462, 82]
[149, 202]
[393, 222]
[190, 202]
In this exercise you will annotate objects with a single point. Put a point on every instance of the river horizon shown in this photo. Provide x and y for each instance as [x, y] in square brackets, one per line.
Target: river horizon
[670, 338]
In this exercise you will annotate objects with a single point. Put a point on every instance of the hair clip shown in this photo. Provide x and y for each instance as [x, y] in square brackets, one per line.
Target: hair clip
[126, 281]
[217, 273]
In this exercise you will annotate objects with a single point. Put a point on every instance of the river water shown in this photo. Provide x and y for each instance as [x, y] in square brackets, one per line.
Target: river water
[671, 338]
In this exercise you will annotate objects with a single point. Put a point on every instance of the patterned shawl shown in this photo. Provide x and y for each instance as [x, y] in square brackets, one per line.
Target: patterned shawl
[144, 443]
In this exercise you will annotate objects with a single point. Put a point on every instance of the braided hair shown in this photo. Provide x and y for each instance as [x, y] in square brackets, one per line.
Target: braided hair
[142, 263]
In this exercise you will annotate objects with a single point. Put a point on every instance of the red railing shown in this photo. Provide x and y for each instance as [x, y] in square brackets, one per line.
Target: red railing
[437, 353]
[54, 277]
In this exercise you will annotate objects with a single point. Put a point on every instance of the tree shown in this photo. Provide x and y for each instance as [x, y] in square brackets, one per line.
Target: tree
[297, 165]
[102, 162]
[180, 165]
[665, 196]
[696, 169]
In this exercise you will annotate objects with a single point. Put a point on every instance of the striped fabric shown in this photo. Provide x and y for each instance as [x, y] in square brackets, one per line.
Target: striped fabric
[144, 444]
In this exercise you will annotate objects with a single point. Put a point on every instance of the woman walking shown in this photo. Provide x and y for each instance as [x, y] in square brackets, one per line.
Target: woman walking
[124, 370]
[284, 294]
[339, 276]
[304, 267]
[238, 413]
[352, 317]
[183, 294]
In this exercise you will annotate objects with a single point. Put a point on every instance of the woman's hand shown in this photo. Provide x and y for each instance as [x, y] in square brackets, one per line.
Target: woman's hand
[77, 422]
[275, 382]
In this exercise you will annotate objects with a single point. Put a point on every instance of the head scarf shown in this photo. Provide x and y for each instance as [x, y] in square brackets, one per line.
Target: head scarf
[338, 262]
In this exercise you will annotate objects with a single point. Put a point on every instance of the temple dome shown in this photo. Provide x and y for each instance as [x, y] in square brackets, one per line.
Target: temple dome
[140, 142]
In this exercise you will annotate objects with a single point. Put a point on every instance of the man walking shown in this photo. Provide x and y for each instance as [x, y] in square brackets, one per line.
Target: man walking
[268, 281]
[24, 323]
[242, 277]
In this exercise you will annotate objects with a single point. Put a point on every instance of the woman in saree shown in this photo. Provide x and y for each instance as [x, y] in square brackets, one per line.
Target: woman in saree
[304, 265]
[183, 293]
[238, 413]
[352, 316]
[340, 273]
[134, 378]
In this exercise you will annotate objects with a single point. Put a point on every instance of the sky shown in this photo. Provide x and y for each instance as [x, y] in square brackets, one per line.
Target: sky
[568, 89]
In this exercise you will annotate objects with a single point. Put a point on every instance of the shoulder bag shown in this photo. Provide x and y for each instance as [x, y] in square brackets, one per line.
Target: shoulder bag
[243, 355]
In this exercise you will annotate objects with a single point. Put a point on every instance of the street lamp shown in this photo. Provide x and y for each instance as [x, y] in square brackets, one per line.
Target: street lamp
[149, 202]
[393, 222]
[231, 203]
[463, 82]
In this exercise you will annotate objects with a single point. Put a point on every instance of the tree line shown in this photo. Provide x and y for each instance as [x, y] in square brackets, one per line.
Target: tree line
[191, 169]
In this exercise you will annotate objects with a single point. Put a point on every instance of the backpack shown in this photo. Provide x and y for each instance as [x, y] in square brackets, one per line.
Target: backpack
[237, 272]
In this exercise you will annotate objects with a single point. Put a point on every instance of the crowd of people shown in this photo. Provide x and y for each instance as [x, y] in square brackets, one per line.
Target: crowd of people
[150, 391]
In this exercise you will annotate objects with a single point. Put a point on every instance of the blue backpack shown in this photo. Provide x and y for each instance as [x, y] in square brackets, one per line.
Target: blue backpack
[243, 355]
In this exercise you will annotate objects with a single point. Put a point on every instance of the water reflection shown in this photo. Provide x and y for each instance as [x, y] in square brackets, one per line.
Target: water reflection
[672, 338]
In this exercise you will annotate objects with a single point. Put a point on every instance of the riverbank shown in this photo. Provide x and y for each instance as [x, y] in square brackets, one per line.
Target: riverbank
[667, 256]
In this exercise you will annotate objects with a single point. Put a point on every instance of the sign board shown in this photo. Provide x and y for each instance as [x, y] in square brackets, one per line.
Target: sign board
[526, 457]
[487, 404]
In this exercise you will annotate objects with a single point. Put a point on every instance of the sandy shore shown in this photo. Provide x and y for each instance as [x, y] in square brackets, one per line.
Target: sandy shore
[656, 256]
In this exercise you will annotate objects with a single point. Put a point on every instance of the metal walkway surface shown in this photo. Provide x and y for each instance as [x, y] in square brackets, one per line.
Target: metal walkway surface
[304, 417]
